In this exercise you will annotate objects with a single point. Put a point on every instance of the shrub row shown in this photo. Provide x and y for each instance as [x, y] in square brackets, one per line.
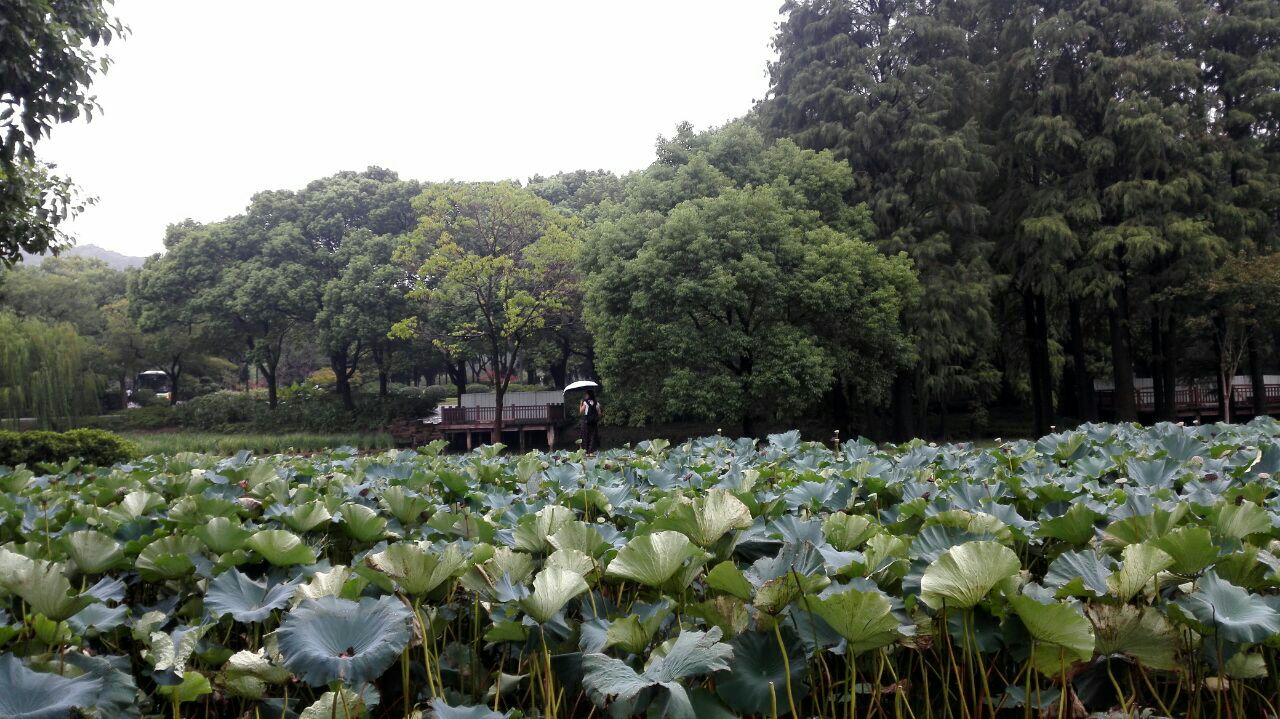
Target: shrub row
[91, 446]
[296, 412]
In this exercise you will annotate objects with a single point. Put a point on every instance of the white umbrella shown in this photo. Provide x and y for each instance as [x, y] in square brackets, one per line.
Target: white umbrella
[581, 384]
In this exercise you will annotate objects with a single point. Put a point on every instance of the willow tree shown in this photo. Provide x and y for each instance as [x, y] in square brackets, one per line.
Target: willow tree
[44, 373]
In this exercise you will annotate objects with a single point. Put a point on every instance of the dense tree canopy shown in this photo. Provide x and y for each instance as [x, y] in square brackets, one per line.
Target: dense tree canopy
[735, 282]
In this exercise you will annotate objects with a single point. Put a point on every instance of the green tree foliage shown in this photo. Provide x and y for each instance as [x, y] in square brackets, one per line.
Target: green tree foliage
[1075, 161]
[497, 265]
[894, 89]
[735, 282]
[49, 55]
[45, 372]
[360, 306]
[259, 280]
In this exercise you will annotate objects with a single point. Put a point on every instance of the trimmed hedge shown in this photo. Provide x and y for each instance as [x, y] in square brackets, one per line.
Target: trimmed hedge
[91, 446]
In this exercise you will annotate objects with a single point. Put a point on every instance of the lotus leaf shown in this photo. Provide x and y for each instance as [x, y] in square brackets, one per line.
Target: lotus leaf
[330, 639]
[92, 551]
[419, 569]
[757, 664]
[863, 618]
[552, 589]
[652, 559]
[1063, 635]
[1220, 608]
[281, 548]
[963, 575]
[693, 653]
[247, 600]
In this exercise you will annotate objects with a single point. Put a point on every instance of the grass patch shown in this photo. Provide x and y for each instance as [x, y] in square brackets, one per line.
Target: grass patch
[229, 444]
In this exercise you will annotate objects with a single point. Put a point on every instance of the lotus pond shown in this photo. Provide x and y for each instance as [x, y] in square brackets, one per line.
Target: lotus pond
[1108, 571]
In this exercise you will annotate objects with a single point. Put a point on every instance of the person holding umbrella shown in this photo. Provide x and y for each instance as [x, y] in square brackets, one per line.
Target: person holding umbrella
[589, 410]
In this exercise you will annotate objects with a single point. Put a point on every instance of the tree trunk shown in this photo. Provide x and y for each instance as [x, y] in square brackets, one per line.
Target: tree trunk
[530, 377]
[1122, 358]
[1162, 412]
[904, 405]
[1030, 317]
[498, 392]
[1169, 341]
[457, 372]
[1042, 356]
[382, 383]
[559, 367]
[175, 377]
[1086, 400]
[1256, 377]
[338, 362]
[1225, 374]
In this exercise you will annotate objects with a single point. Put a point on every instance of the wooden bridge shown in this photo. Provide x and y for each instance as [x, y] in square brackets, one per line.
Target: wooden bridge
[472, 425]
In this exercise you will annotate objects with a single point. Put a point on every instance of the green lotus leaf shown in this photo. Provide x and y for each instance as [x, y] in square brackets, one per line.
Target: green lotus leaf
[27, 694]
[306, 517]
[1139, 563]
[193, 686]
[247, 674]
[168, 558]
[708, 517]
[362, 523]
[726, 577]
[440, 710]
[222, 535]
[1078, 574]
[247, 600]
[580, 536]
[652, 559]
[1220, 608]
[332, 583]
[92, 551]
[1237, 521]
[1145, 527]
[42, 585]
[516, 566]
[1246, 665]
[692, 653]
[864, 619]
[137, 503]
[1075, 526]
[330, 639]
[552, 589]
[417, 568]
[1138, 632]
[963, 575]
[757, 663]
[572, 560]
[726, 612]
[169, 652]
[96, 619]
[340, 704]
[405, 505]
[281, 548]
[533, 532]
[975, 523]
[1063, 635]
[1191, 548]
[847, 532]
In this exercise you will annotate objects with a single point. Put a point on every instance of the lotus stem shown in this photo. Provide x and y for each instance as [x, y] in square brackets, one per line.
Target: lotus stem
[773, 700]
[786, 665]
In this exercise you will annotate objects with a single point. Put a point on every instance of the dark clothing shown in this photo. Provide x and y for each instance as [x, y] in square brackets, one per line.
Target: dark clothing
[590, 436]
[591, 426]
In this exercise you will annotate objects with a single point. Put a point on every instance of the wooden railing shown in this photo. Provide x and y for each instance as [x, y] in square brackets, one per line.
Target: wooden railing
[1203, 398]
[517, 414]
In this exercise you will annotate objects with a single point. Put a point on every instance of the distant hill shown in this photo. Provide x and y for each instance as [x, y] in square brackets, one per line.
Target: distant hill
[115, 260]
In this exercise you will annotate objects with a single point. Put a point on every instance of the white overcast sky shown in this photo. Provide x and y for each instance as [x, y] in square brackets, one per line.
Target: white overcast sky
[209, 102]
